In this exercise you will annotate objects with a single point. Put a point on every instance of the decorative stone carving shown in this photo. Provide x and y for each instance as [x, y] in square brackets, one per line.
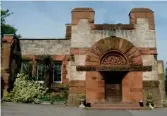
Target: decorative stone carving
[113, 58]
[125, 50]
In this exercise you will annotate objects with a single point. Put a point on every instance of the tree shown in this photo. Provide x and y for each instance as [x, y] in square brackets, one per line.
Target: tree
[6, 28]
[47, 63]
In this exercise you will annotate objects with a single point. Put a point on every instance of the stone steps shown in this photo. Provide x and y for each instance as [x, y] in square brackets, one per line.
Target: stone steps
[116, 106]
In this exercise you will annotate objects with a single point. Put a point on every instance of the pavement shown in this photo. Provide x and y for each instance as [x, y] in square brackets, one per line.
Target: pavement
[16, 109]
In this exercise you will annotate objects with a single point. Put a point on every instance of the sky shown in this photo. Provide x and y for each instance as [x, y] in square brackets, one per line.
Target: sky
[47, 19]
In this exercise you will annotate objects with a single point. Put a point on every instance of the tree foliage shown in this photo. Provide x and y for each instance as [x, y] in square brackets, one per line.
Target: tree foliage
[7, 28]
[47, 62]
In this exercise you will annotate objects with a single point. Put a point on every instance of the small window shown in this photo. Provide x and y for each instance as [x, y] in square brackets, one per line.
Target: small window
[40, 72]
[57, 71]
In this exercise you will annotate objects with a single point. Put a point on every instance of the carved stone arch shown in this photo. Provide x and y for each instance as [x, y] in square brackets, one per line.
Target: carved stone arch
[112, 44]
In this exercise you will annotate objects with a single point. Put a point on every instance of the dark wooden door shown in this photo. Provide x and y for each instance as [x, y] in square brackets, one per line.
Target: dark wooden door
[113, 92]
[113, 86]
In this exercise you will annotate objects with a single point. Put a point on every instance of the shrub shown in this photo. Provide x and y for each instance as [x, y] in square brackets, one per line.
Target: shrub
[164, 103]
[25, 90]
[81, 97]
[48, 97]
[65, 92]
[59, 96]
[149, 99]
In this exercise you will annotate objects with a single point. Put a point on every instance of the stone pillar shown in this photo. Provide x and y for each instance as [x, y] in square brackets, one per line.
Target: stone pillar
[161, 78]
[76, 78]
[142, 13]
[132, 87]
[82, 13]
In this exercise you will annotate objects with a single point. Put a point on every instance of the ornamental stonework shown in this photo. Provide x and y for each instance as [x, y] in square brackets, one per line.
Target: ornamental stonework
[113, 58]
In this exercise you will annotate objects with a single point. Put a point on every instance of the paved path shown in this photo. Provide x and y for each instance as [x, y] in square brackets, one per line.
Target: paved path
[13, 109]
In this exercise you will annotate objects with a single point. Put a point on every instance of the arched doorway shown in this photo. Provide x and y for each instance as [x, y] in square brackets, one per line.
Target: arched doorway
[113, 79]
[113, 51]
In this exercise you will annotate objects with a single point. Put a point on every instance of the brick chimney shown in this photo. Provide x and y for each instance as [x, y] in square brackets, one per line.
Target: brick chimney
[142, 13]
[82, 13]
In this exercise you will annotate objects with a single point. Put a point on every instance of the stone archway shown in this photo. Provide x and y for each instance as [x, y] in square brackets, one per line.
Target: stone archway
[113, 79]
[113, 51]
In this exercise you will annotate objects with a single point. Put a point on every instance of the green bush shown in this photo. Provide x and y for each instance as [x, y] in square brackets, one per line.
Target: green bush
[149, 99]
[81, 96]
[53, 98]
[25, 90]
[60, 96]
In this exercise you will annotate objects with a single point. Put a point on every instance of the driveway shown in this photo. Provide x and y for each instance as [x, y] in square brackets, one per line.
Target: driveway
[14, 109]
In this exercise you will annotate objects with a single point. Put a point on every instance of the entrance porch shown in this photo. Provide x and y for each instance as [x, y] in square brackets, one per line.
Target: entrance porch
[114, 86]
[114, 69]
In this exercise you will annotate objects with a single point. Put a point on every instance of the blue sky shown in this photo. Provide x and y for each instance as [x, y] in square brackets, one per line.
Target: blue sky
[47, 19]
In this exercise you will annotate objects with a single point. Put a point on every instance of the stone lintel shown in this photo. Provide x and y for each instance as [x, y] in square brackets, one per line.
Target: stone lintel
[114, 68]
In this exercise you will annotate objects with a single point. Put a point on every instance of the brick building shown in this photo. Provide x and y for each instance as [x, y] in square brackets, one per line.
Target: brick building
[106, 62]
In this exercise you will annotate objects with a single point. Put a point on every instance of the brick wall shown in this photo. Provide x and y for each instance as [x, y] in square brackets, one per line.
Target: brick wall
[10, 60]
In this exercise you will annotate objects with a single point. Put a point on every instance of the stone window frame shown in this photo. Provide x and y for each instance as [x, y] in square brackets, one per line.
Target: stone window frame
[60, 71]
